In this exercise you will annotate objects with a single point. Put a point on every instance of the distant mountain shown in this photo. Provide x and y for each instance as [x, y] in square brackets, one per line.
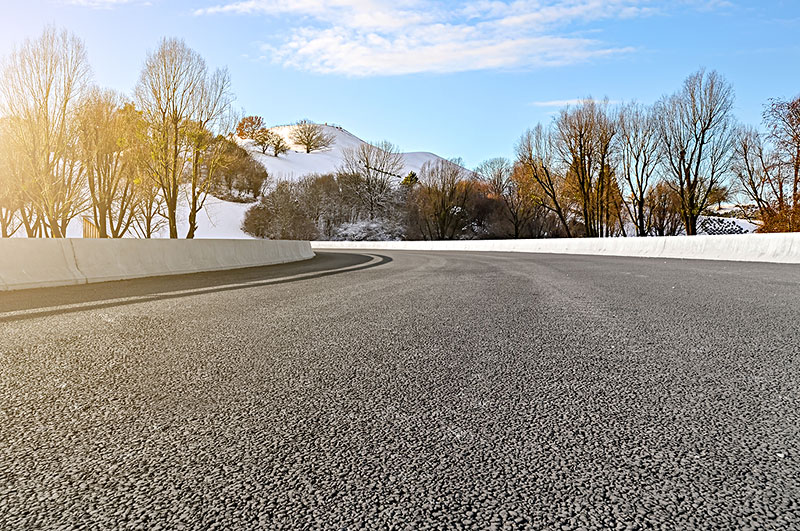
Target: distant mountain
[297, 163]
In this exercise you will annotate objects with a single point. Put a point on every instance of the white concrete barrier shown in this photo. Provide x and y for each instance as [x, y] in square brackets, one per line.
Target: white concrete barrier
[779, 248]
[31, 263]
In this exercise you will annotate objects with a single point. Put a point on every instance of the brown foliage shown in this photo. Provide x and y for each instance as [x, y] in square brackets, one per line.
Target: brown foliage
[768, 167]
[441, 200]
[663, 205]
[249, 126]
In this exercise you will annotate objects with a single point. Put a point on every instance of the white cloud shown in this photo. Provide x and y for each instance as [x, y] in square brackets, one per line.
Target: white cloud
[385, 37]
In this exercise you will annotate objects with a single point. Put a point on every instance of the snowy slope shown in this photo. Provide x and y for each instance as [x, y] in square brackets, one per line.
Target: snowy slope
[218, 219]
[223, 219]
[297, 163]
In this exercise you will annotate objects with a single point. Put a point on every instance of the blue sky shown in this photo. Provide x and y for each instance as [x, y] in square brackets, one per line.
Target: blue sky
[461, 79]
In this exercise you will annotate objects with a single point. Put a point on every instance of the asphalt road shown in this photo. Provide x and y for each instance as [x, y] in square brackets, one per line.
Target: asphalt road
[407, 390]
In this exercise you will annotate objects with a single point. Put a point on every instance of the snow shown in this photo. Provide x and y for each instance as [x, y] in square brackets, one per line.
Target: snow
[297, 163]
[218, 219]
[369, 231]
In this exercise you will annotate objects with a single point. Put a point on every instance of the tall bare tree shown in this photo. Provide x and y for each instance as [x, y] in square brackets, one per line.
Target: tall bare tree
[107, 134]
[696, 130]
[378, 167]
[759, 171]
[584, 136]
[639, 159]
[42, 82]
[782, 119]
[212, 121]
[442, 195]
[513, 185]
[311, 136]
[166, 94]
[768, 179]
[535, 153]
[10, 186]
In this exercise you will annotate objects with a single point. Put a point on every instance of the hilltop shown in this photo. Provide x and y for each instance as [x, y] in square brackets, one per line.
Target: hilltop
[297, 163]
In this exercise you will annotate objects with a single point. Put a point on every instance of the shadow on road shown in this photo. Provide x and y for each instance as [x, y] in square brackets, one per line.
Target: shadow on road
[32, 303]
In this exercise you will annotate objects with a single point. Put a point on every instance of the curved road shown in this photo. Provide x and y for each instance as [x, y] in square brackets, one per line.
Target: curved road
[407, 390]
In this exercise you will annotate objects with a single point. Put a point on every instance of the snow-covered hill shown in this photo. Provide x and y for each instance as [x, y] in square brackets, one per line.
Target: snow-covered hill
[297, 163]
[223, 219]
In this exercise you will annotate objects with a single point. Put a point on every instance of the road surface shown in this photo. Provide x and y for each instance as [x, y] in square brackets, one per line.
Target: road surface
[407, 390]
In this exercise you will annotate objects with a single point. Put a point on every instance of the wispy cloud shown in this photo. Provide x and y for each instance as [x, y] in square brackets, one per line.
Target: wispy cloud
[566, 103]
[555, 103]
[385, 37]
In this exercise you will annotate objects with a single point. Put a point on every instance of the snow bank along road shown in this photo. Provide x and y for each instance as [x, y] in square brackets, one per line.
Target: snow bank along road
[408, 390]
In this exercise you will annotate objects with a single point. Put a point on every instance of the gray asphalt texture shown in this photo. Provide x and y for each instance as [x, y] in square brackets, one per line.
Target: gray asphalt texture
[411, 391]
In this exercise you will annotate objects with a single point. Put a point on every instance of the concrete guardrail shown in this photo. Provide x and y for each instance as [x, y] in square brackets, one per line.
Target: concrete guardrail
[36, 263]
[779, 248]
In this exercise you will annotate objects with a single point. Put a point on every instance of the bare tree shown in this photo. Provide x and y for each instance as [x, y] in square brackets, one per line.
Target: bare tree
[311, 136]
[41, 84]
[767, 179]
[535, 154]
[756, 167]
[639, 158]
[664, 210]
[263, 138]
[378, 167]
[167, 96]
[513, 185]
[267, 139]
[442, 195]
[212, 120]
[584, 136]
[150, 215]
[782, 119]
[10, 185]
[278, 145]
[696, 131]
[107, 135]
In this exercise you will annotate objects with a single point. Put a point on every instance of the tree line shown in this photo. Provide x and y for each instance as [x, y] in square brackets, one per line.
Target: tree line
[70, 148]
[136, 166]
[596, 170]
